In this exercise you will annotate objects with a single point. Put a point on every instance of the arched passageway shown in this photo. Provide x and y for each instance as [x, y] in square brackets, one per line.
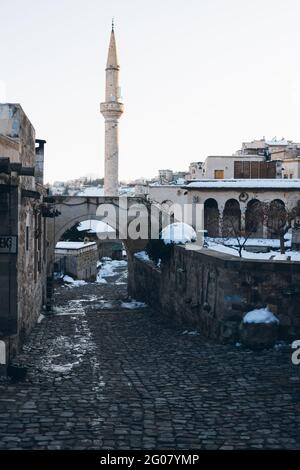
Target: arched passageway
[211, 217]
[276, 218]
[91, 251]
[254, 219]
[231, 218]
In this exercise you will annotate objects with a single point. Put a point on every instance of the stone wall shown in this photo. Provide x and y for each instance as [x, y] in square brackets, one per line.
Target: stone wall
[212, 291]
[32, 258]
[85, 264]
[144, 281]
[23, 271]
[79, 263]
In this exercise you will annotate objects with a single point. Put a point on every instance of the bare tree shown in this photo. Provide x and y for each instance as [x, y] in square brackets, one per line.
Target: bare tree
[280, 220]
[232, 228]
[272, 215]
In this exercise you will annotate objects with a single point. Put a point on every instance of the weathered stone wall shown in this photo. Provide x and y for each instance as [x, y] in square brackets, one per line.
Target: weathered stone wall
[84, 265]
[22, 274]
[31, 267]
[212, 292]
[144, 281]
[80, 263]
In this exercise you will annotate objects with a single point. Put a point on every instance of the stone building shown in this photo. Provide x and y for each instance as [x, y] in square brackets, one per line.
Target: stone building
[165, 176]
[274, 149]
[285, 152]
[223, 198]
[257, 159]
[78, 259]
[23, 243]
[195, 170]
[250, 166]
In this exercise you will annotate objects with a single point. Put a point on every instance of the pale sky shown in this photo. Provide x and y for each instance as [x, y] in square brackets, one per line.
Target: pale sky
[198, 77]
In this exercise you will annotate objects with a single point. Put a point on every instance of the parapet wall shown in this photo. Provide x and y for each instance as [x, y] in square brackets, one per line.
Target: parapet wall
[212, 291]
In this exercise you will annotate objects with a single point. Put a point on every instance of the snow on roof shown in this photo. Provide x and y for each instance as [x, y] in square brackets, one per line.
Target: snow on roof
[262, 315]
[178, 233]
[276, 142]
[91, 192]
[180, 181]
[246, 183]
[94, 226]
[72, 245]
[127, 190]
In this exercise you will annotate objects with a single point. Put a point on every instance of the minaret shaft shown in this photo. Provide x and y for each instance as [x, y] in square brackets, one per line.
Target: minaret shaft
[111, 109]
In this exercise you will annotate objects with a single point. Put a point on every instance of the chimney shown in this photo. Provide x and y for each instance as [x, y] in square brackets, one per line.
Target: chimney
[39, 161]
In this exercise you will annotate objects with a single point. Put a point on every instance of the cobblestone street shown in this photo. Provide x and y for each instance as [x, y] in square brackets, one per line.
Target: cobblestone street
[105, 375]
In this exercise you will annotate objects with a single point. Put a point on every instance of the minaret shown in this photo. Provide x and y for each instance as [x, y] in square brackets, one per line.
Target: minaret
[111, 109]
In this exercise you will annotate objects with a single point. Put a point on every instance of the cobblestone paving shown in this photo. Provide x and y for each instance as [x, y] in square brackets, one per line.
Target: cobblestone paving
[105, 377]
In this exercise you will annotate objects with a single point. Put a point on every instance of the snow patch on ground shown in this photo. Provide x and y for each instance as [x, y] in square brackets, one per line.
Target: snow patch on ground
[281, 257]
[108, 268]
[271, 255]
[64, 353]
[269, 242]
[73, 308]
[63, 368]
[102, 305]
[133, 304]
[178, 233]
[262, 315]
[72, 282]
[190, 333]
[100, 279]
[142, 255]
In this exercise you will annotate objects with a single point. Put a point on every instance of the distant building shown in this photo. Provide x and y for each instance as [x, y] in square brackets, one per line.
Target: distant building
[259, 159]
[77, 259]
[272, 149]
[285, 151]
[165, 176]
[237, 166]
[195, 170]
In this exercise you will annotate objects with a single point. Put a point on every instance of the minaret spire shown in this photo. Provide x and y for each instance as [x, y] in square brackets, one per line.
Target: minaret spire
[111, 109]
[112, 58]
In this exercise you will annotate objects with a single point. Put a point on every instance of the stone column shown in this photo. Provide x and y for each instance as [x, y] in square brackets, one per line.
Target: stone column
[111, 157]
[243, 217]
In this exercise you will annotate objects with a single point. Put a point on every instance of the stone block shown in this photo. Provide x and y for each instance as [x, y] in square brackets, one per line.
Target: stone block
[258, 335]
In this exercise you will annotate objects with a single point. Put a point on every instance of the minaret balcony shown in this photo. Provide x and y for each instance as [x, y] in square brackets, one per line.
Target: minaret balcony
[112, 108]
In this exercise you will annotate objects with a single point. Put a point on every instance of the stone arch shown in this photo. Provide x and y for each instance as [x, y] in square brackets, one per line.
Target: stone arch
[231, 218]
[77, 209]
[254, 219]
[71, 222]
[211, 217]
[167, 203]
